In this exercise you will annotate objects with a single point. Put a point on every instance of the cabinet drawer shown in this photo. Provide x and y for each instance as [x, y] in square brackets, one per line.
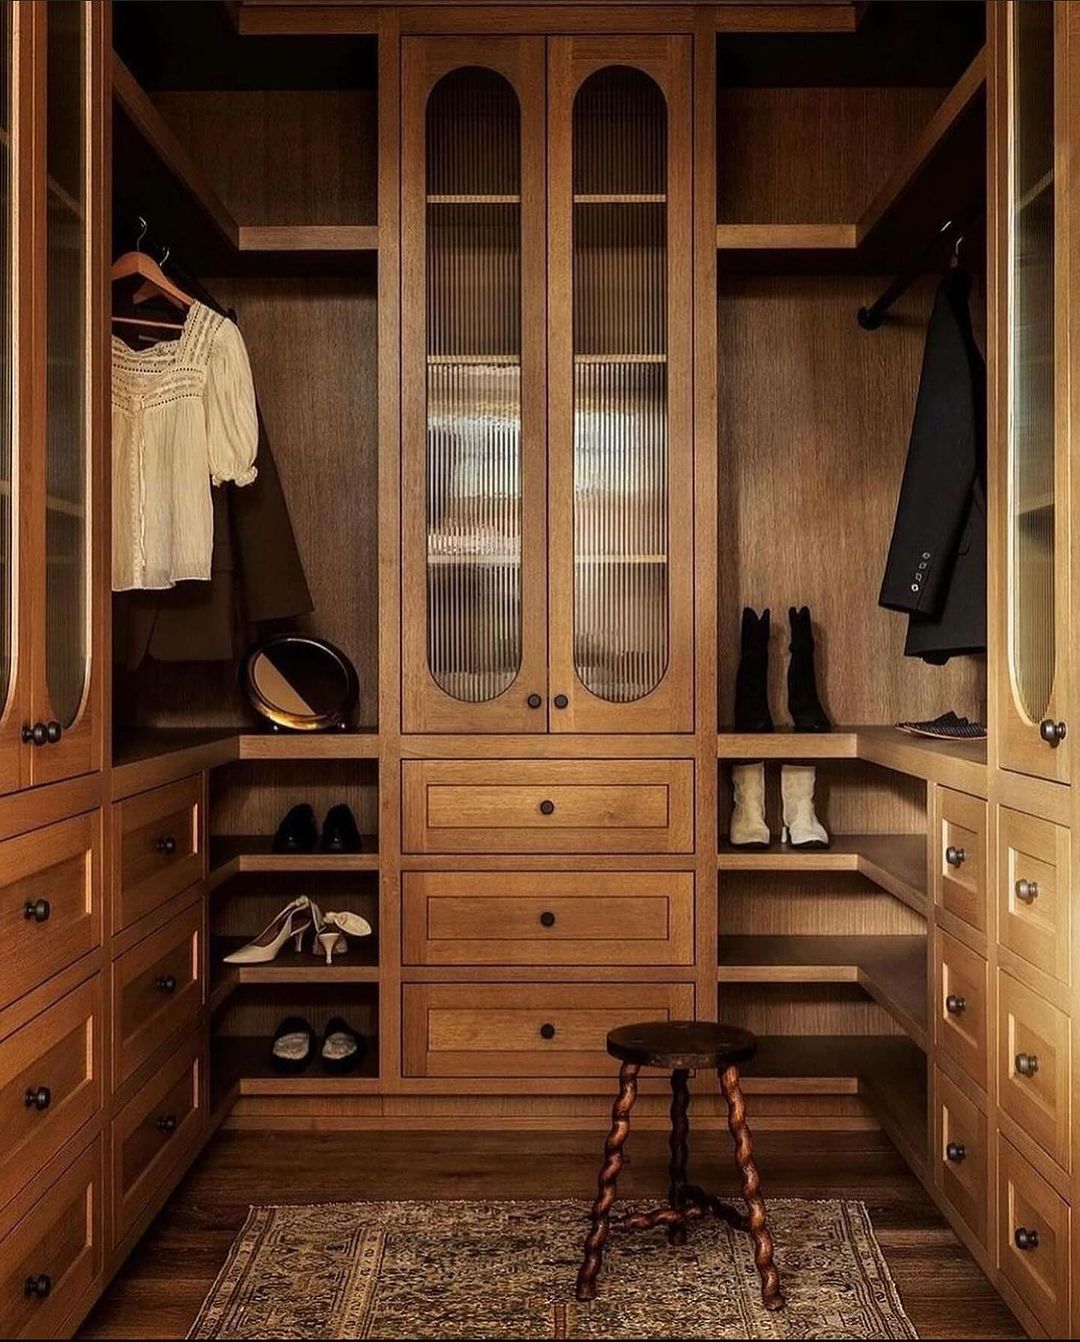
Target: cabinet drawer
[548, 806]
[548, 918]
[50, 902]
[960, 1019]
[961, 1155]
[1033, 1066]
[960, 870]
[50, 1083]
[156, 840]
[525, 1029]
[156, 1129]
[157, 990]
[1033, 903]
[1031, 1214]
[57, 1245]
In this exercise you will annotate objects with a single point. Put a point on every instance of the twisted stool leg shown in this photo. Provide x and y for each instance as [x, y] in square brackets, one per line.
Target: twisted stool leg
[751, 1190]
[680, 1131]
[609, 1173]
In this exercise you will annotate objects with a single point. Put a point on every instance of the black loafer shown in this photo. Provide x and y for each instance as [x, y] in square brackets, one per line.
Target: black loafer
[298, 832]
[342, 1048]
[340, 833]
[294, 1044]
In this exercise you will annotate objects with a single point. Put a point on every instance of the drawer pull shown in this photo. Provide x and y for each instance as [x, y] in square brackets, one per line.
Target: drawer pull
[1026, 1239]
[42, 733]
[165, 983]
[955, 1005]
[1053, 733]
[38, 1286]
[955, 857]
[547, 919]
[166, 845]
[1027, 1064]
[1028, 891]
[38, 1099]
[534, 700]
[38, 910]
[560, 701]
[956, 1152]
[167, 1124]
[547, 1031]
[547, 808]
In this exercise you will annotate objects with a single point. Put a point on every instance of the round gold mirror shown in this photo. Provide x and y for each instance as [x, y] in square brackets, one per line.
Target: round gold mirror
[302, 684]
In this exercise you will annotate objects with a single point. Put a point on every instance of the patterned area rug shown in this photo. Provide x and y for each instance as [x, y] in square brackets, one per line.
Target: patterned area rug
[507, 1270]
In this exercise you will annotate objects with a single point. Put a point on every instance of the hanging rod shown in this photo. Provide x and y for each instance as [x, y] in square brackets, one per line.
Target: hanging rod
[871, 317]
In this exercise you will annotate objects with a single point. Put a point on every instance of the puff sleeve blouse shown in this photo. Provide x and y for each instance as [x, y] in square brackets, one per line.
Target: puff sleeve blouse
[183, 417]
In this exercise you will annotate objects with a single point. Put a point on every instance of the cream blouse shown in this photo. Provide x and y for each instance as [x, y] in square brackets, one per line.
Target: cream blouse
[183, 415]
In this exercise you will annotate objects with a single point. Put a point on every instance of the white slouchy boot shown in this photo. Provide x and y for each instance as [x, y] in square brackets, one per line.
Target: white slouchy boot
[802, 828]
[748, 827]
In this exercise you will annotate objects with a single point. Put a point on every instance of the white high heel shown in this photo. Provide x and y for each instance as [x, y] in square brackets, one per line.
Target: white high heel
[330, 937]
[293, 922]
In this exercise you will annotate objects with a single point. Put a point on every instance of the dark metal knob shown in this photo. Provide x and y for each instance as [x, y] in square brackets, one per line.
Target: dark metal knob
[955, 857]
[37, 909]
[1053, 733]
[1027, 1064]
[166, 845]
[956, 1152]
[547, 808]
[53, 732]
[547, 919]
[39, 1285]
[561, 701]
[547, 1031]
[36, 735]
[167, 1124]
[1027, 890]
[1026, 1239]
[955, 1005]
[534, 700]
[165, 983]
[39, 1098]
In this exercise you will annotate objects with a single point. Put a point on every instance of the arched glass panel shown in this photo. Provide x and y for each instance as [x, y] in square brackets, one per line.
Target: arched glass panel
[474, 384]
[620, 385]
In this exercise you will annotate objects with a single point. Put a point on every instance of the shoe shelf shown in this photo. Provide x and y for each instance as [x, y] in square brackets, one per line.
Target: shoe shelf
[889, 969]
[236, 854]
[895, 862]
[362, 744]
[242, 1066]
[360, 964]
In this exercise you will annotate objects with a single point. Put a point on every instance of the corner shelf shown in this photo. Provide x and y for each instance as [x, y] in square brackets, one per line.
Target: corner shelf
[237, 854]
[890, 969]
[241, 1065]
[360, 964]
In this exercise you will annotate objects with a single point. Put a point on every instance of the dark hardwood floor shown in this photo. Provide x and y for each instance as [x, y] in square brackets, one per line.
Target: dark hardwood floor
[158, 1292]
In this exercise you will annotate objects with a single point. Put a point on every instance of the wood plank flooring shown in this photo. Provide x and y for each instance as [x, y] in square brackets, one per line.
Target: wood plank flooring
[158, 1292]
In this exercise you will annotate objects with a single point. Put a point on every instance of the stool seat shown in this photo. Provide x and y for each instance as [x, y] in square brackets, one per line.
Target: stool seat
[681, 1044]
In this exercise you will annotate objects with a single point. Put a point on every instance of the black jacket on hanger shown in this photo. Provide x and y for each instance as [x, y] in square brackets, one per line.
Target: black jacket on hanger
[936, 568]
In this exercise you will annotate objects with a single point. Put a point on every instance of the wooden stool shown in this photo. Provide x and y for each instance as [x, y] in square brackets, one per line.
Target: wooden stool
[679, 1046]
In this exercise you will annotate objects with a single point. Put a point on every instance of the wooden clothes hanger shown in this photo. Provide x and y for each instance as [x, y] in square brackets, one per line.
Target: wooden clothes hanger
[155, 281]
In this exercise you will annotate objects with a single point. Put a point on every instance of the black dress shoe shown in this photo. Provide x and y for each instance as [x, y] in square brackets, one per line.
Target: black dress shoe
[340, 833]
[293, 1046]
[342, 1048]
[298, 832]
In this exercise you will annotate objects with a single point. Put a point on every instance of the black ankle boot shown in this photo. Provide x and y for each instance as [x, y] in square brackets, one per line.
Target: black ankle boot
[803, 703]
[752, 680]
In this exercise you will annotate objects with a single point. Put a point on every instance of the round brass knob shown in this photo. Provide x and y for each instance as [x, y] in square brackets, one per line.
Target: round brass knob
[1027, 1064]
[955, 857]
[547, 808]
[955, 1005]
[1027, 890]
[561, 701]
[1026, 1239]
[956, 1152]
[39, 1098]
[53, 732]
[547, 919]
[534, 700]
[1053, 733]
[37, 909]
[547, 1031]
[36, 735]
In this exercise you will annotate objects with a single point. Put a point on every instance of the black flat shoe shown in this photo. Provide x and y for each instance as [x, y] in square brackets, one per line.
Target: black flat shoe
[340, 833]
[342, 1048]
[298, 832]
[293, 1047]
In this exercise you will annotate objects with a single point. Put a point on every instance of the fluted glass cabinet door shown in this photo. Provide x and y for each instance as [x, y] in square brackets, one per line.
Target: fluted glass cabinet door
[620, 509]
[1033, 394]
[473, 372]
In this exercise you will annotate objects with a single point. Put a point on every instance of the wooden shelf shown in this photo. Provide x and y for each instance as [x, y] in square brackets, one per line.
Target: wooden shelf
[360, 964]
[362, 744]
[241, 1065]
[890, 969]
[609, 198]
[307, 238]
[235, 855]
[842, 743]
[896, 862]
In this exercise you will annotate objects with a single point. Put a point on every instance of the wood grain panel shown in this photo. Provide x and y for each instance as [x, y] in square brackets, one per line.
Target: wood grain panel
[961, 1155]
[1039, 1274]
[1031, 1030]
[962, 984]
[1034, 901]
[158, 848]
[960, 856]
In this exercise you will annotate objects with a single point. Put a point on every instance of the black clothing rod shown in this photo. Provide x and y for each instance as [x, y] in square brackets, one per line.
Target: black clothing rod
[870, 318]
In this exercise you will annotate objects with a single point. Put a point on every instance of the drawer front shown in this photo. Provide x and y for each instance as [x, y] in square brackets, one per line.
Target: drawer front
[50, 902]
[960, 1021]
[524, 1029]
[548, 806]
[157, 990]
[960, 875]
[1033, 1066]
[158, 847]
[156, 1129]
[961, 1155]
[548, 918]
[1033, 903]
[50, 1083]
[1033, 1240]
[57, 1246]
